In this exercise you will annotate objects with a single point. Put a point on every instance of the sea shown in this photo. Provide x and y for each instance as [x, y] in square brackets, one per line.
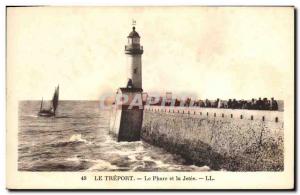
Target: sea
[78, 139]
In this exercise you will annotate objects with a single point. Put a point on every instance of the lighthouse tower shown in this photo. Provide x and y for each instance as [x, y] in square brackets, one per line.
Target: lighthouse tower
[127, 115]
[134, 52]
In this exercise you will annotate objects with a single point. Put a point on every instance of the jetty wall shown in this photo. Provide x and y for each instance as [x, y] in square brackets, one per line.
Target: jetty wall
[126, 119]
[126, 124]
[234, 140]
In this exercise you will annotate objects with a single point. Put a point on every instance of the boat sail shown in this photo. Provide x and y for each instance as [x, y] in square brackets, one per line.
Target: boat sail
[52, 110]
[55, 99]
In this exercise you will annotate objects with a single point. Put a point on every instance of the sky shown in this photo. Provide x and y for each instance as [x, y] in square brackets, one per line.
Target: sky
[206, 52]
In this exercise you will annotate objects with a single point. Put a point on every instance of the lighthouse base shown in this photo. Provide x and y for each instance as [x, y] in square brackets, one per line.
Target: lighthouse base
[126, 121]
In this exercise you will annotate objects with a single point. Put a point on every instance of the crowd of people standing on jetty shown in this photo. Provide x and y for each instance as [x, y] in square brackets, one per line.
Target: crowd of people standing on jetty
[253, 104]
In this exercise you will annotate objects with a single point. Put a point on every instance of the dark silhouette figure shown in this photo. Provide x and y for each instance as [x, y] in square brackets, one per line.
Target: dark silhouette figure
[259, 104]
[273, 104]
[129, 83]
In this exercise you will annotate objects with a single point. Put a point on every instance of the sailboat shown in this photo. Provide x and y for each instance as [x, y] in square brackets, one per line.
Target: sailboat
[51, 111]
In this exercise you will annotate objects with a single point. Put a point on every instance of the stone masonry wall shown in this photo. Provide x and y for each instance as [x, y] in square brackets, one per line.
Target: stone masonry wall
[234, 140]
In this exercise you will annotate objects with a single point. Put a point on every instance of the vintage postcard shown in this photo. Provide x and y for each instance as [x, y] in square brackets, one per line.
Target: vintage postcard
[150, 97]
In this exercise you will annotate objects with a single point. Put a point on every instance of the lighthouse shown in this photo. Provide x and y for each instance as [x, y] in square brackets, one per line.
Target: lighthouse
[134, 51]
[127, 113]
